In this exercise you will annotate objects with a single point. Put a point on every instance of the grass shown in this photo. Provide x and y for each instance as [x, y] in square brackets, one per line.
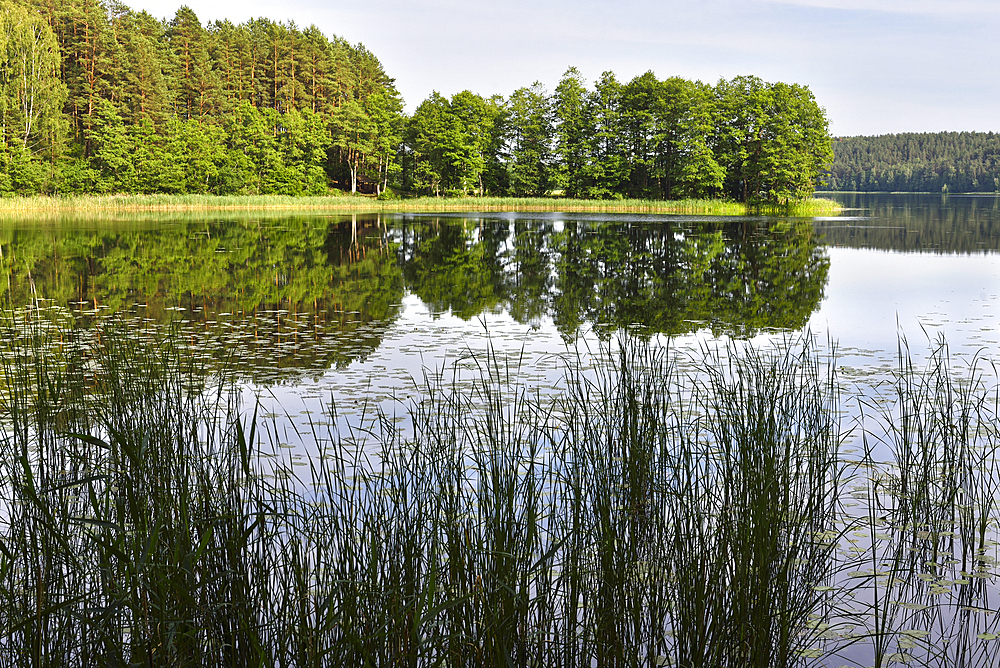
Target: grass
[15, 208]
[925, 564]
[659, 511]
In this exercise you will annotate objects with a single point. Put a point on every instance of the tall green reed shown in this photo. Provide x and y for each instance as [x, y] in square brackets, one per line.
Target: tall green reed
[929, 482]
[649, 514]
[91, 205]
[758, 483]
[113, 518]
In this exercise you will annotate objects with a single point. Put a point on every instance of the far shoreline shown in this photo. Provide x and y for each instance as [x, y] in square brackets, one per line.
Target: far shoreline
[82, 205]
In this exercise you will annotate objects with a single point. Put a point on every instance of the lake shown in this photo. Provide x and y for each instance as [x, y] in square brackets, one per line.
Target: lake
[365, 311]
[314, 305]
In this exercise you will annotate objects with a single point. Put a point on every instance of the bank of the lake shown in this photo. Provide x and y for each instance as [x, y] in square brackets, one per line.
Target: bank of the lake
[96, 204]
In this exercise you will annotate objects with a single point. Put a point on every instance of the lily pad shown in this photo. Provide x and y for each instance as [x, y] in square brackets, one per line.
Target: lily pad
[912, 606]
[915, 633]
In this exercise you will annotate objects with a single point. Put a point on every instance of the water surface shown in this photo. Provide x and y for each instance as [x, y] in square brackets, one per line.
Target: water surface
[356, 309]
[343, 306]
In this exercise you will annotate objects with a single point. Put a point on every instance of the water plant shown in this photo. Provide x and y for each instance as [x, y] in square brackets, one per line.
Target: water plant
[66, 208]
[660, 510]
[923, 559]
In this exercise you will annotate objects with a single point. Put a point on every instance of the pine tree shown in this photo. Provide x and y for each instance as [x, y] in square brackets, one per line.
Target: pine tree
[196, 89]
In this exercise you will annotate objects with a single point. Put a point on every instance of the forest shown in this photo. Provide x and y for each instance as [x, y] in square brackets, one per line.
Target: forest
[98, 98]
[917, 162]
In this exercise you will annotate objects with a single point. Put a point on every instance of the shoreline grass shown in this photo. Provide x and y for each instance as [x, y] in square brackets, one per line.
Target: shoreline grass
[158, 525]
[659, 511]
[26, 207]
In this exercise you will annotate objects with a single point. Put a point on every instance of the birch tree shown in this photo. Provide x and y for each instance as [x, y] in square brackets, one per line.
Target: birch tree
[31, 93]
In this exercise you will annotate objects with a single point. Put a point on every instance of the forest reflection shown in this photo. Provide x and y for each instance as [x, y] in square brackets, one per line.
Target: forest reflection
[916, 223]
[737, 277]
[294, 296]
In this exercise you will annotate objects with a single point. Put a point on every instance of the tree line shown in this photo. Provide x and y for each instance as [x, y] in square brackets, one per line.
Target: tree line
[98, 98]
[917, 162]
[648, 138]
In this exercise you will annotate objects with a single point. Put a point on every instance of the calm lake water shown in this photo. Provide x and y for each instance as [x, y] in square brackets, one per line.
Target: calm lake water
[349, 306]
[357, 309]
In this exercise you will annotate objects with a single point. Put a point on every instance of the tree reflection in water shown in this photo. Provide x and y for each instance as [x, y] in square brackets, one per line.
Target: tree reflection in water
[306, 293]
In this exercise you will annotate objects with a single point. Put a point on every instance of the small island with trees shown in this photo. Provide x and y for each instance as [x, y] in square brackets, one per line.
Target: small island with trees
[98, 99]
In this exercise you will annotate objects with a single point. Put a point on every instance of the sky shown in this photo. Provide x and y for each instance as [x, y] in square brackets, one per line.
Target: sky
[876, 66]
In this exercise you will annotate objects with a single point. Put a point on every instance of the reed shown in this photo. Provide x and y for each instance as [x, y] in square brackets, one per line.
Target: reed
[919, 571]
[89, 205]
[659, 511]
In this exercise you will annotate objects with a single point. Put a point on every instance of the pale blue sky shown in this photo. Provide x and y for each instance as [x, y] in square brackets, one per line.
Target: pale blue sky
[877, 66]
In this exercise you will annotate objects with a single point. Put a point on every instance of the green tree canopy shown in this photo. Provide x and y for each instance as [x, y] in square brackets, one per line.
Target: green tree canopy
[772, 139]
[95, 97]
[531, 136]
[917, 162]
[454, 143]
[31, 97]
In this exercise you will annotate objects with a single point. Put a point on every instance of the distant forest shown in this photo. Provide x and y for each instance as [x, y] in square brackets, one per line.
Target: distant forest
[97, 98]
[917, 162]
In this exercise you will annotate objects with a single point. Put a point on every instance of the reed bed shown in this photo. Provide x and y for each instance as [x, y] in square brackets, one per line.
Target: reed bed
[919, 566]
[22, 207]
[658, 511]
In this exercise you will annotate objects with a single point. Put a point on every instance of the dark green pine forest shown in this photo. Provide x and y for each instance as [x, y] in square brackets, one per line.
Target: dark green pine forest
[98, 98]
[917, 162]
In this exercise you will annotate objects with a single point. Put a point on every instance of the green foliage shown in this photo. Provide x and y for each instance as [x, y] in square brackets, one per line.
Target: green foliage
[917, 162]
[196, 95]
[673, 139]
[31, 99]
[116, 101]
[162, 107]
[572, 132]
[667, 125]
[143, 56]
[427, 130]
[454, 143]
[366, 124]
[774, 143]
[607, 170]
[531, 159]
